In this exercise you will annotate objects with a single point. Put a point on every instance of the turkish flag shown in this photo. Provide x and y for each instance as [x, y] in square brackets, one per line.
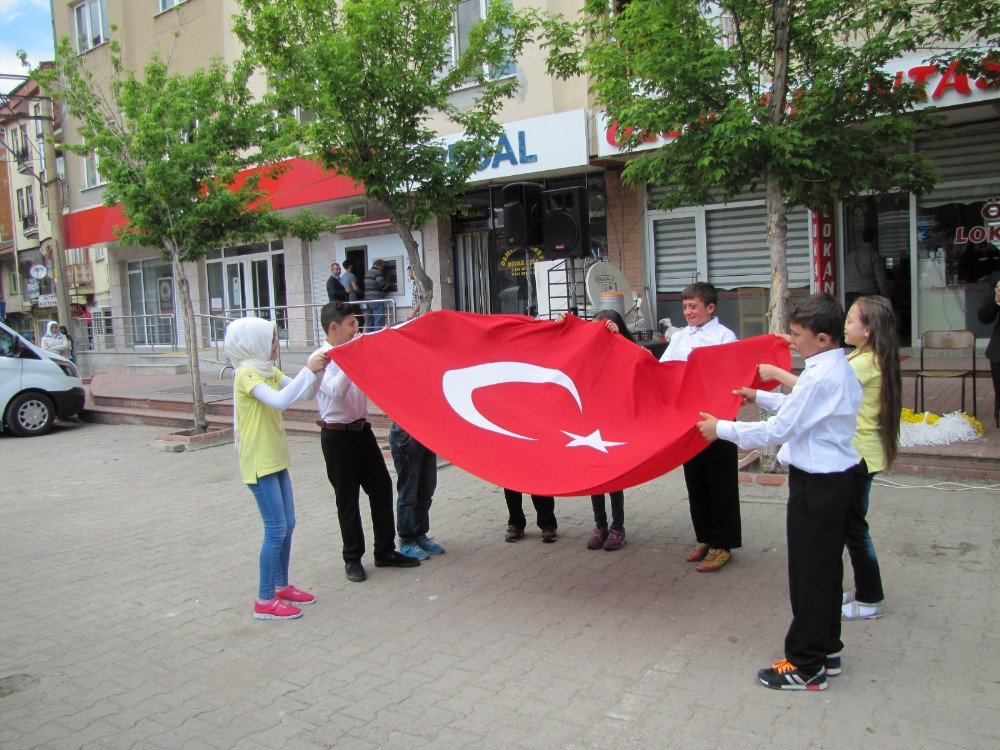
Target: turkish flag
[550, 408]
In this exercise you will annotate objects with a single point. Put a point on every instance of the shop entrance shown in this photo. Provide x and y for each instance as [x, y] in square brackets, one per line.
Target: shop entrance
[885, 222]
[247, 281]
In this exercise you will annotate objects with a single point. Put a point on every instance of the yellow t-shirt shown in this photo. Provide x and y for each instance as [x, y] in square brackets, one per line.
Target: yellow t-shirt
[263, 448]
[867, 440]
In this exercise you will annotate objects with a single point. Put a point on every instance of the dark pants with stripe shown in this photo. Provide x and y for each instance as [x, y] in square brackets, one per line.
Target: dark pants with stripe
[354, 462]
[713, 485]
[818, 505]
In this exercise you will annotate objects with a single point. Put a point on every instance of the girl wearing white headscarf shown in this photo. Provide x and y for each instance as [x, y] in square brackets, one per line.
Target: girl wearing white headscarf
[260, 393]
[53, 341]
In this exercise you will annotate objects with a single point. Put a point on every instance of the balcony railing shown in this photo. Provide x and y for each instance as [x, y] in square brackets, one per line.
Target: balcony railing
[80, 275]
[23, 158]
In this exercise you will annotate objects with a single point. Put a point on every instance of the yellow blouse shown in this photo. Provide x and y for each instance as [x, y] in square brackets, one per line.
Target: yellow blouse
[263, 448]
[867, 439]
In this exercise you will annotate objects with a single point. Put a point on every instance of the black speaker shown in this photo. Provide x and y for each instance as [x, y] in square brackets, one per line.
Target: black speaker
[522, 214]
[565, 223]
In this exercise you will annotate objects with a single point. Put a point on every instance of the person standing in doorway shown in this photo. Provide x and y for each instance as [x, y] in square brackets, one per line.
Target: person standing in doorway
[375, 286]
[864, 270]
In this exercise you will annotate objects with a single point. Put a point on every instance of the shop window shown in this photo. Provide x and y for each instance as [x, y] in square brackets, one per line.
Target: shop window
[958, 257]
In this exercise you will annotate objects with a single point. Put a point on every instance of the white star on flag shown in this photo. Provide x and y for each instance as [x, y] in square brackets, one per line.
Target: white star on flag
[593, 440]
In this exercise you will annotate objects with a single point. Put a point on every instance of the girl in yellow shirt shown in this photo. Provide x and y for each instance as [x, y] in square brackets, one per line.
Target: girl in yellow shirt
[871, 327]
[260, 393]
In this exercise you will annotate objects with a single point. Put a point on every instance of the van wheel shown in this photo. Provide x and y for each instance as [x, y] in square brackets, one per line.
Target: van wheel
[30, 414]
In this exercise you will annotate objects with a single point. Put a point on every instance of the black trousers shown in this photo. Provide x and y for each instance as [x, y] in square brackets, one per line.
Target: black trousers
[713, 485]
[545, 510]
[818, 505]
[354, 462]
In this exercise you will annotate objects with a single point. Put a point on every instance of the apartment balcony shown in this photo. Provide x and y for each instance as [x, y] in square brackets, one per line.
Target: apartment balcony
[29, 225]
[23, 158]
[80, 278]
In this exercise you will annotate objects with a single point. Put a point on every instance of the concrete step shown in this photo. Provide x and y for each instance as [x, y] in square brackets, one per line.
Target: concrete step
[158, 368]
[104, 414]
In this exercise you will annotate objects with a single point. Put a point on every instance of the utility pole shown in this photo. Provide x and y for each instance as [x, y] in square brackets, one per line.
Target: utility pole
[52, 187]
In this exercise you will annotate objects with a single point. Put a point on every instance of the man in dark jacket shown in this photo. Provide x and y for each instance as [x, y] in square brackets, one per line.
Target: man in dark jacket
[335, 291]
[375, 287]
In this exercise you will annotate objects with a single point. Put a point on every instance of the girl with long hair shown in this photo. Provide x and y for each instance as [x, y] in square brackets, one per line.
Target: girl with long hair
[871, 328]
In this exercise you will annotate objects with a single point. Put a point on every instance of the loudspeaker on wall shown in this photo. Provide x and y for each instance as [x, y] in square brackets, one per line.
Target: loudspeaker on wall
[522, 214]
[565, 223]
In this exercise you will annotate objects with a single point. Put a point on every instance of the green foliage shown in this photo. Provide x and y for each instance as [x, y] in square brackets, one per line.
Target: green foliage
[842, 128]
[374, 72]
[170, 148]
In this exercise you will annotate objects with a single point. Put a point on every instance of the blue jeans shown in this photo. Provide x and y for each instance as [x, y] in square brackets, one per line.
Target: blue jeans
[867, 577]
[376, 315]
[617, 511]
[277, 509]
[416, 480]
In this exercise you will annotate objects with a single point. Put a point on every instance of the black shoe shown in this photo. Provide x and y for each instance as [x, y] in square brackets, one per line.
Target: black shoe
[549, 535]
[396, 560]
[355, 571]
[783, 675]
[513, 533]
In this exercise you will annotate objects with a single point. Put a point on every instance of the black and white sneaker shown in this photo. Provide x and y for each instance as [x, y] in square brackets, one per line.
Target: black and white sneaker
[832, 664]
[783, 675]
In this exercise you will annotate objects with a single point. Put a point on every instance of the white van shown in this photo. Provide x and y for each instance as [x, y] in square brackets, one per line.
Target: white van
[35, 386]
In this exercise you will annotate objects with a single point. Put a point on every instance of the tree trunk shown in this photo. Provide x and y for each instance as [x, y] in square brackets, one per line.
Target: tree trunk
[191, 343]
[777, 221]
[413, 257]
[781, 14]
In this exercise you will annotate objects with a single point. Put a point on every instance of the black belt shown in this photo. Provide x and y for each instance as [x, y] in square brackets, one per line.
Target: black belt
[355, 426]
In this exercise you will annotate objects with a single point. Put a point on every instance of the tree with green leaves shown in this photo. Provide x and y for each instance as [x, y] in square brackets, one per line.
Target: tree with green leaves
[784, 94]
[170, 149]
[375, 73]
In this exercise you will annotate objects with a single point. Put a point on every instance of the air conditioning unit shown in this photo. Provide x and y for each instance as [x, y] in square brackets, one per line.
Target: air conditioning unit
[361, 211]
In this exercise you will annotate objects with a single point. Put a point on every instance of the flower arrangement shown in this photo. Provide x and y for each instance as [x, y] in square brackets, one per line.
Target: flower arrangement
[926, 428]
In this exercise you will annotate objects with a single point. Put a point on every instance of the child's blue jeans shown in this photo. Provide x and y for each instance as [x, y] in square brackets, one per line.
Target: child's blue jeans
[273, 493]
[867, 576]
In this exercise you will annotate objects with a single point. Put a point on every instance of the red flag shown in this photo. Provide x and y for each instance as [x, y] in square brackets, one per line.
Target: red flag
[549, 408]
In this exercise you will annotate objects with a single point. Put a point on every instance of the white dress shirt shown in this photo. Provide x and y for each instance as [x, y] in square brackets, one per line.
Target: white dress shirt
[814, 423]
[338, 399]
[685, 340]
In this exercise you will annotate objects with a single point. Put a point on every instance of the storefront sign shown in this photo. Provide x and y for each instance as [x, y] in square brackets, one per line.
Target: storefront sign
[608, 143]
[513, 261]
[47, 300]
[943, 87]
[979, 234]
[540, 144]
[824, 242]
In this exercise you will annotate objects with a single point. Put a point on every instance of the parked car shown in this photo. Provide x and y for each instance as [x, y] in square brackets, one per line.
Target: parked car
[35, 386]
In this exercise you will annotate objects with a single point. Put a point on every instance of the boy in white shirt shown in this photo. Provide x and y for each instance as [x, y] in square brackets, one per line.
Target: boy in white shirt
[712, 477]
[814, 425]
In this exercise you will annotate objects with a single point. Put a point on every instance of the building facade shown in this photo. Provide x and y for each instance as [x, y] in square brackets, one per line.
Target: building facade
[939, 250]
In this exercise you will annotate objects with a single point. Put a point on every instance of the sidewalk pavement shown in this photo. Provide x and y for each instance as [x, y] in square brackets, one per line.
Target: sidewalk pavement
[129, 574]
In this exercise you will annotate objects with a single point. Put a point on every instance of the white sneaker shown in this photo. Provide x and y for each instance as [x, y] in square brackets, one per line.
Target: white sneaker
[855, 610]
[848, 596]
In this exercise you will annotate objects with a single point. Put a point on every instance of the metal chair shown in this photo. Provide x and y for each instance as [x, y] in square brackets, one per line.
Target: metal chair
[935, 340]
